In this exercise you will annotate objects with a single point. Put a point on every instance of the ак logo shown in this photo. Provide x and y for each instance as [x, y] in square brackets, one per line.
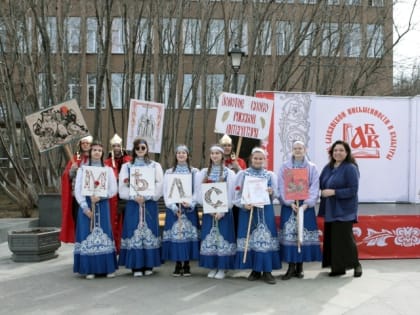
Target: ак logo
[365, 139]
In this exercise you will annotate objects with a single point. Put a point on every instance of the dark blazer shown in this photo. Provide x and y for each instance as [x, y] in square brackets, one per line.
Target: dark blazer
[343, 205]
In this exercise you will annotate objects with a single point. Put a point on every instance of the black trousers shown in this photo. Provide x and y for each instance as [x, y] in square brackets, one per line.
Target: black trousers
[340, 249]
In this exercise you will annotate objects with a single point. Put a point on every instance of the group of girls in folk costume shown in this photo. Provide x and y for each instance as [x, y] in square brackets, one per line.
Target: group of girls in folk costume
[218, 247]
[141, 241]
[257, 241]
[180, 241]
[94, 249]
[309, 248]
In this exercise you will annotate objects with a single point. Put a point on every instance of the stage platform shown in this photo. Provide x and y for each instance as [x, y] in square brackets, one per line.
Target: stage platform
[384, 230]
[387, 230]
[389, 209]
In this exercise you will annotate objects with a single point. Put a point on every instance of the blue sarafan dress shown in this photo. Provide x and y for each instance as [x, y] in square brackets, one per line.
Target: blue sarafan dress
[141, 242]
[94, 249]
[180, 240]
[218, 247]
[263, 247]
[310, 249]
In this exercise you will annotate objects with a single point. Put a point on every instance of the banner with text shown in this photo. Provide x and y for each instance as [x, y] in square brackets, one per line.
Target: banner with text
[243, 116]
[381, 132]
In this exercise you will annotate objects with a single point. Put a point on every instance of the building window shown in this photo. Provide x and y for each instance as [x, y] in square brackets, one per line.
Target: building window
[73, 89]
[144, 87]
[191, 31]
[43, 99]
[376, 3]
[216, 37]
[375, 40]
[238, 35]
[168, 36]
[24, 33]
[117, 90]
[263, 45]
[72, 29]
[91, 92]
[333, 2]
[307, 1]
[51, 30]
[91, 35]
[3, 36]
[285, 40]
[214, 87]
[187, 91]
[330, 40]
[352, 40]
[144, 38]
[352, 2]
[307, 33]
[118, 36]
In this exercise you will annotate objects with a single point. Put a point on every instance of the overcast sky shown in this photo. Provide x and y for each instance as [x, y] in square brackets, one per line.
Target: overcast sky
[408, 50]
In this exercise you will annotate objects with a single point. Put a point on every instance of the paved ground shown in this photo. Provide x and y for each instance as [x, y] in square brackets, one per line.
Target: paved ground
[50, 287]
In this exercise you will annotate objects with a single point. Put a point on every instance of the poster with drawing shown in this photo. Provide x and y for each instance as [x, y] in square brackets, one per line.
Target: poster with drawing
[146, 121]
[179, 188]
[57, 125]
[296, 184]
[142, 181]
[215, 197]
[94, 181]
[254, 192]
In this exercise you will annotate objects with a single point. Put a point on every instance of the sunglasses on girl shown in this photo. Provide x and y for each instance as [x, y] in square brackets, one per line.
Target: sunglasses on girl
[141, 148]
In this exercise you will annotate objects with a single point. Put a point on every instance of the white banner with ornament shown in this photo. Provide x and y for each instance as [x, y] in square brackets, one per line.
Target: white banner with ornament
[383, 132]
[243, 116]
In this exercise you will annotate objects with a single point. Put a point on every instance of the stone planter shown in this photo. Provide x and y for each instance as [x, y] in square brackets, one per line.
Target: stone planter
[34, 244]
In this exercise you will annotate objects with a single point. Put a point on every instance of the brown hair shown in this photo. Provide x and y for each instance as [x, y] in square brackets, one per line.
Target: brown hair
[136, 143]
[349, 158]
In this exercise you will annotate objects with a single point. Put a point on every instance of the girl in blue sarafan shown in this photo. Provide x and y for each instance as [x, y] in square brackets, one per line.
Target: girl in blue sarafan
[262, 248]
[309, 249]
[94, 249]
[218, 248]
[141, 241]
[180, 241]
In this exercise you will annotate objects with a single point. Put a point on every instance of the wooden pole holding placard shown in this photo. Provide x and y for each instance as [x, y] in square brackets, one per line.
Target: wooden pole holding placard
[68, 152]
[298, 226]
[238, 147]
[248, 234]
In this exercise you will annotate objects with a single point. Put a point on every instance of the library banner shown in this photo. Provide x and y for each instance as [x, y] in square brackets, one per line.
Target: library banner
[381, 131]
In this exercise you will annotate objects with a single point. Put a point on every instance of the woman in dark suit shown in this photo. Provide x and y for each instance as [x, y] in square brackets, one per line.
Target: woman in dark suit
[339, 184]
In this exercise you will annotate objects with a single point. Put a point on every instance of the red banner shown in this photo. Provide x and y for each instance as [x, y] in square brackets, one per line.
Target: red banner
[385, 236]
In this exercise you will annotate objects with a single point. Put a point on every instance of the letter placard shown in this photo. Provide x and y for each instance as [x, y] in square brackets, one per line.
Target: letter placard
[142, 181]
[179, 188]
[215, 198]
[296, 184]
[255, 191]
[94, 181]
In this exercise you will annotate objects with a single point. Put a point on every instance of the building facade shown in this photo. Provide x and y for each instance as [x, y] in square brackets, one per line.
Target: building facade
[104, 53]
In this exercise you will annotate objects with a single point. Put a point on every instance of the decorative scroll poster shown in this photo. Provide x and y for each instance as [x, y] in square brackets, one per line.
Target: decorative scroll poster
[296, 184]
[254, 191]
[57, 125]
[146, 121]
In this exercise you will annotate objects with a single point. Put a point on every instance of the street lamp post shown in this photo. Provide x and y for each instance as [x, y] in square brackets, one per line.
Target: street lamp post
[236, 55]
